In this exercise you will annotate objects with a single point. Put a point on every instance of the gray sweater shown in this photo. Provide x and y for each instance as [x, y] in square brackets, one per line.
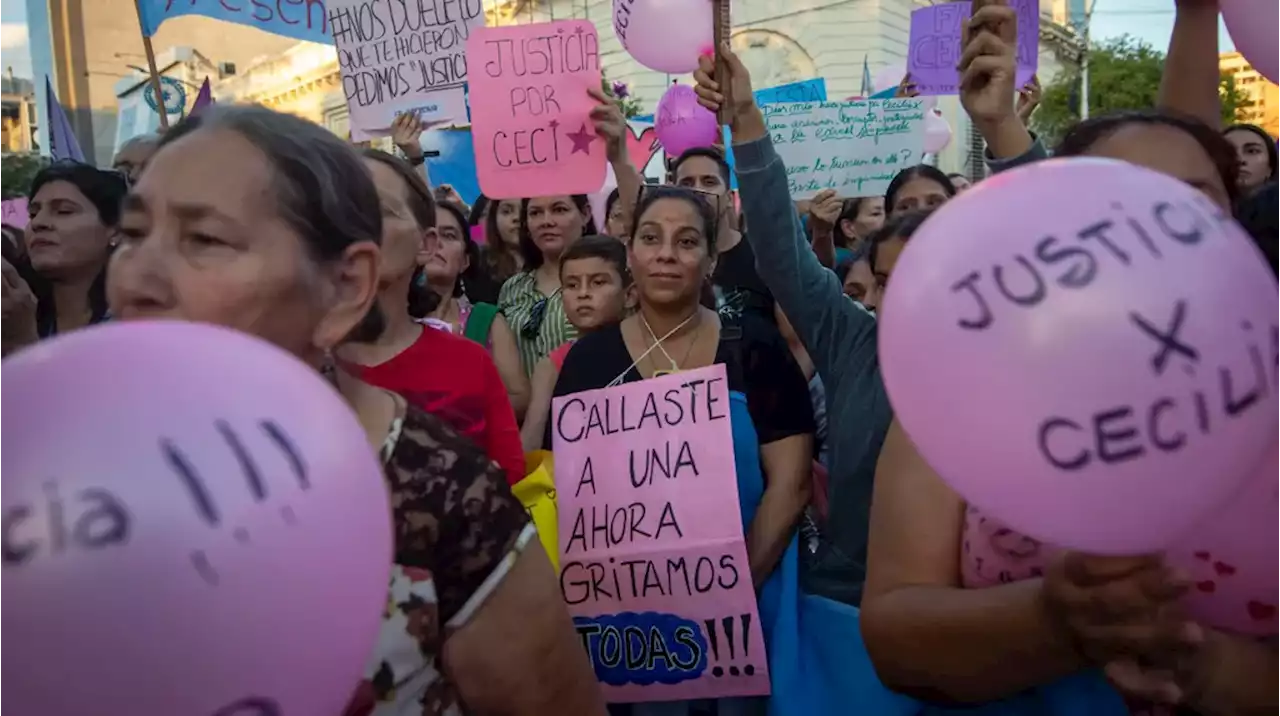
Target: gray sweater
[840, 336]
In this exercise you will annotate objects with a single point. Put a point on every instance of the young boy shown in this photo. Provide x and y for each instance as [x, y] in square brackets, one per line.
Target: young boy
[597, 292]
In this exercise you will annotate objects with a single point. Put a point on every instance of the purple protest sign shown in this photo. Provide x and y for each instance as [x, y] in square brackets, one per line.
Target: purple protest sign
[15, 212]
[934, 49]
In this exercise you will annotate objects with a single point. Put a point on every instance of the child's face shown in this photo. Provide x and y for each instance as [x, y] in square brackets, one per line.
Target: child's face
[593, 293]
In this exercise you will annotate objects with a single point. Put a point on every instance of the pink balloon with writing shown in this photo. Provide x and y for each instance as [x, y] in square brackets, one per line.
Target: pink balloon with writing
[194, 523]
[1085, 350]
[682, 124]
[665, 35]
[1233, 559]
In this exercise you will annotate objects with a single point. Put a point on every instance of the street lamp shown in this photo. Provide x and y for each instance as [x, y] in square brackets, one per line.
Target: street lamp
[1084, 62]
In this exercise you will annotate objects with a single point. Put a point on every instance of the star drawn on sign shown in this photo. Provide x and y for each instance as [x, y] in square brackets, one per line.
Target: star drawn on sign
[581, 140]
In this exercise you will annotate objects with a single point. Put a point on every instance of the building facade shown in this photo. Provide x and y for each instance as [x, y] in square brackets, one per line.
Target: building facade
[779, 42]
[18, 118]
[1262, 106]
[87, 46]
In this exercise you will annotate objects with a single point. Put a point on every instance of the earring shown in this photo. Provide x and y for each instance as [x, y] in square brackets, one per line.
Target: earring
[329, 368]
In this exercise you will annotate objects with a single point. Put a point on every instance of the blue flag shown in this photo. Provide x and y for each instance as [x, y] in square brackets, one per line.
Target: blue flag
[301, 19]
[62, 141]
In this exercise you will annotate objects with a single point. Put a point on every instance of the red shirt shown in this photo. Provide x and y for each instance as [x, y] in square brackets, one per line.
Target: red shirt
[455, 379]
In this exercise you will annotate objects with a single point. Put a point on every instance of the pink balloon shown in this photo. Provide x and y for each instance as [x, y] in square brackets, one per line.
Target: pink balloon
[937, 132]
[889, 76]
[682, 124]
[665, 35]
[1252, 24]
[1233, 559]
[1085, 350]
[193, 520]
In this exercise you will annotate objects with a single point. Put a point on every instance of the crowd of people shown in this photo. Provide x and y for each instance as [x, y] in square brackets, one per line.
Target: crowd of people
[450, 353]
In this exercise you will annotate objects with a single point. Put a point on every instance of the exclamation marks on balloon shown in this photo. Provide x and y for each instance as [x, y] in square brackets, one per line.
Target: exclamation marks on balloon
[727, 626]
[202, 497]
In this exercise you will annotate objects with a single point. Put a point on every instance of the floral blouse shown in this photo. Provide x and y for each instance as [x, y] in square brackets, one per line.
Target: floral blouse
[458, 531]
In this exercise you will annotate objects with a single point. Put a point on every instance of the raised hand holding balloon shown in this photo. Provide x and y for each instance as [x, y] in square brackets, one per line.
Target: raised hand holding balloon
[1095, 367]
[203, 532]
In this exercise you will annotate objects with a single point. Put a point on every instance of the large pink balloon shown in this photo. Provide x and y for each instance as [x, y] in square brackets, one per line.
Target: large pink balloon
[1085, 350]
[1233, 558]
[1252, 24]
[194, 523]
[665, 35]
[937, 132]
[682, 124]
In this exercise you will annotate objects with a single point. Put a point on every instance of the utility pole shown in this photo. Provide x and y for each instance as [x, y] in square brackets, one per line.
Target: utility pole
[1084, 60]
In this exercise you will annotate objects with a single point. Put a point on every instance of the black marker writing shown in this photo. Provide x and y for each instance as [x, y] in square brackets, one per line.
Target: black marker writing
[691, 401]
[1122, 432]
[641, 578]
[1074, 261]
[601, 526]
[1170, 344]
[92, 518]
[251, 706]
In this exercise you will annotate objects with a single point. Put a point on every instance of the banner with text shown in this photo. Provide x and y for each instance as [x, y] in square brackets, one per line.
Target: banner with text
[652, 555]
[530, 111]
[299, 19]
[934, 50]
[403, 56]
[15, 212]
[853, 147]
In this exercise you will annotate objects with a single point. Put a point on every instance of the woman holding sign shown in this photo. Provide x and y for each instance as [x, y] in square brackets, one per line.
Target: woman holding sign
[269, 224]
[672, 252]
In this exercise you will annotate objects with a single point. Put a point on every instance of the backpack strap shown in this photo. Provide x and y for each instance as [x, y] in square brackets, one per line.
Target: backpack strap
[479, 322]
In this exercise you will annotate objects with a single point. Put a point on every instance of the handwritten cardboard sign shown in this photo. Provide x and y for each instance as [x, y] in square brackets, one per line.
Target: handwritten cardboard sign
[299, 19]
[653, 561]
[531, 114]
[853, 147]
[934, 49]
[15, 212]
[398, 57]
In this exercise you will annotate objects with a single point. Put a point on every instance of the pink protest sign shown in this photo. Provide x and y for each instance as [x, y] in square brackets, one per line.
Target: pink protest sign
[652, 555]
[934, 49]
[530, 111]
[15, 212]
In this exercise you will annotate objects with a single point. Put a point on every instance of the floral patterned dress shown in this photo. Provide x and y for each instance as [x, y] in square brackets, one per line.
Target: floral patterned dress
[458, 531]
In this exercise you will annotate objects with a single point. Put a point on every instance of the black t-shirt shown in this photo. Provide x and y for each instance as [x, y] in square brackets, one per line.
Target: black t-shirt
[739, 289]
[756, 362]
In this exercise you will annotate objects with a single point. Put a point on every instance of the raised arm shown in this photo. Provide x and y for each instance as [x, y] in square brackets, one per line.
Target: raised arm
[1189, 83]
[612, 125]
[830, 326]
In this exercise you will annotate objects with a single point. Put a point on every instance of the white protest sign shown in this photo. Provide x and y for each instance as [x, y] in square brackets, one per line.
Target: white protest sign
[400, 56]
[853, 147]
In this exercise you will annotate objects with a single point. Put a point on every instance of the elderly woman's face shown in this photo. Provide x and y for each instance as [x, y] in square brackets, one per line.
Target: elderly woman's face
[204, 240]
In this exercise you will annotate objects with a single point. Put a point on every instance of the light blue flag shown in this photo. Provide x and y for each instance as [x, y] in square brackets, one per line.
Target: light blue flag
[299, 19]
[62, 141]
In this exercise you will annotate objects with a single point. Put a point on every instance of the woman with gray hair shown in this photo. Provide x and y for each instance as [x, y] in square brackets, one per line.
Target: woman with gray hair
[266, 223]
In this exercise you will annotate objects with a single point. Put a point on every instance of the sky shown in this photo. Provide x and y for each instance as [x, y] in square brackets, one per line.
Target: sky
[1149, 20]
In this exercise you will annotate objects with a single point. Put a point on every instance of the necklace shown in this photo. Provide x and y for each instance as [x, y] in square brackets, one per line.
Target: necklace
[657, 342]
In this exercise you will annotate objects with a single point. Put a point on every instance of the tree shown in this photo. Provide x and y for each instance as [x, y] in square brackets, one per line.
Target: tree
[16, 173]
[1124, 73]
